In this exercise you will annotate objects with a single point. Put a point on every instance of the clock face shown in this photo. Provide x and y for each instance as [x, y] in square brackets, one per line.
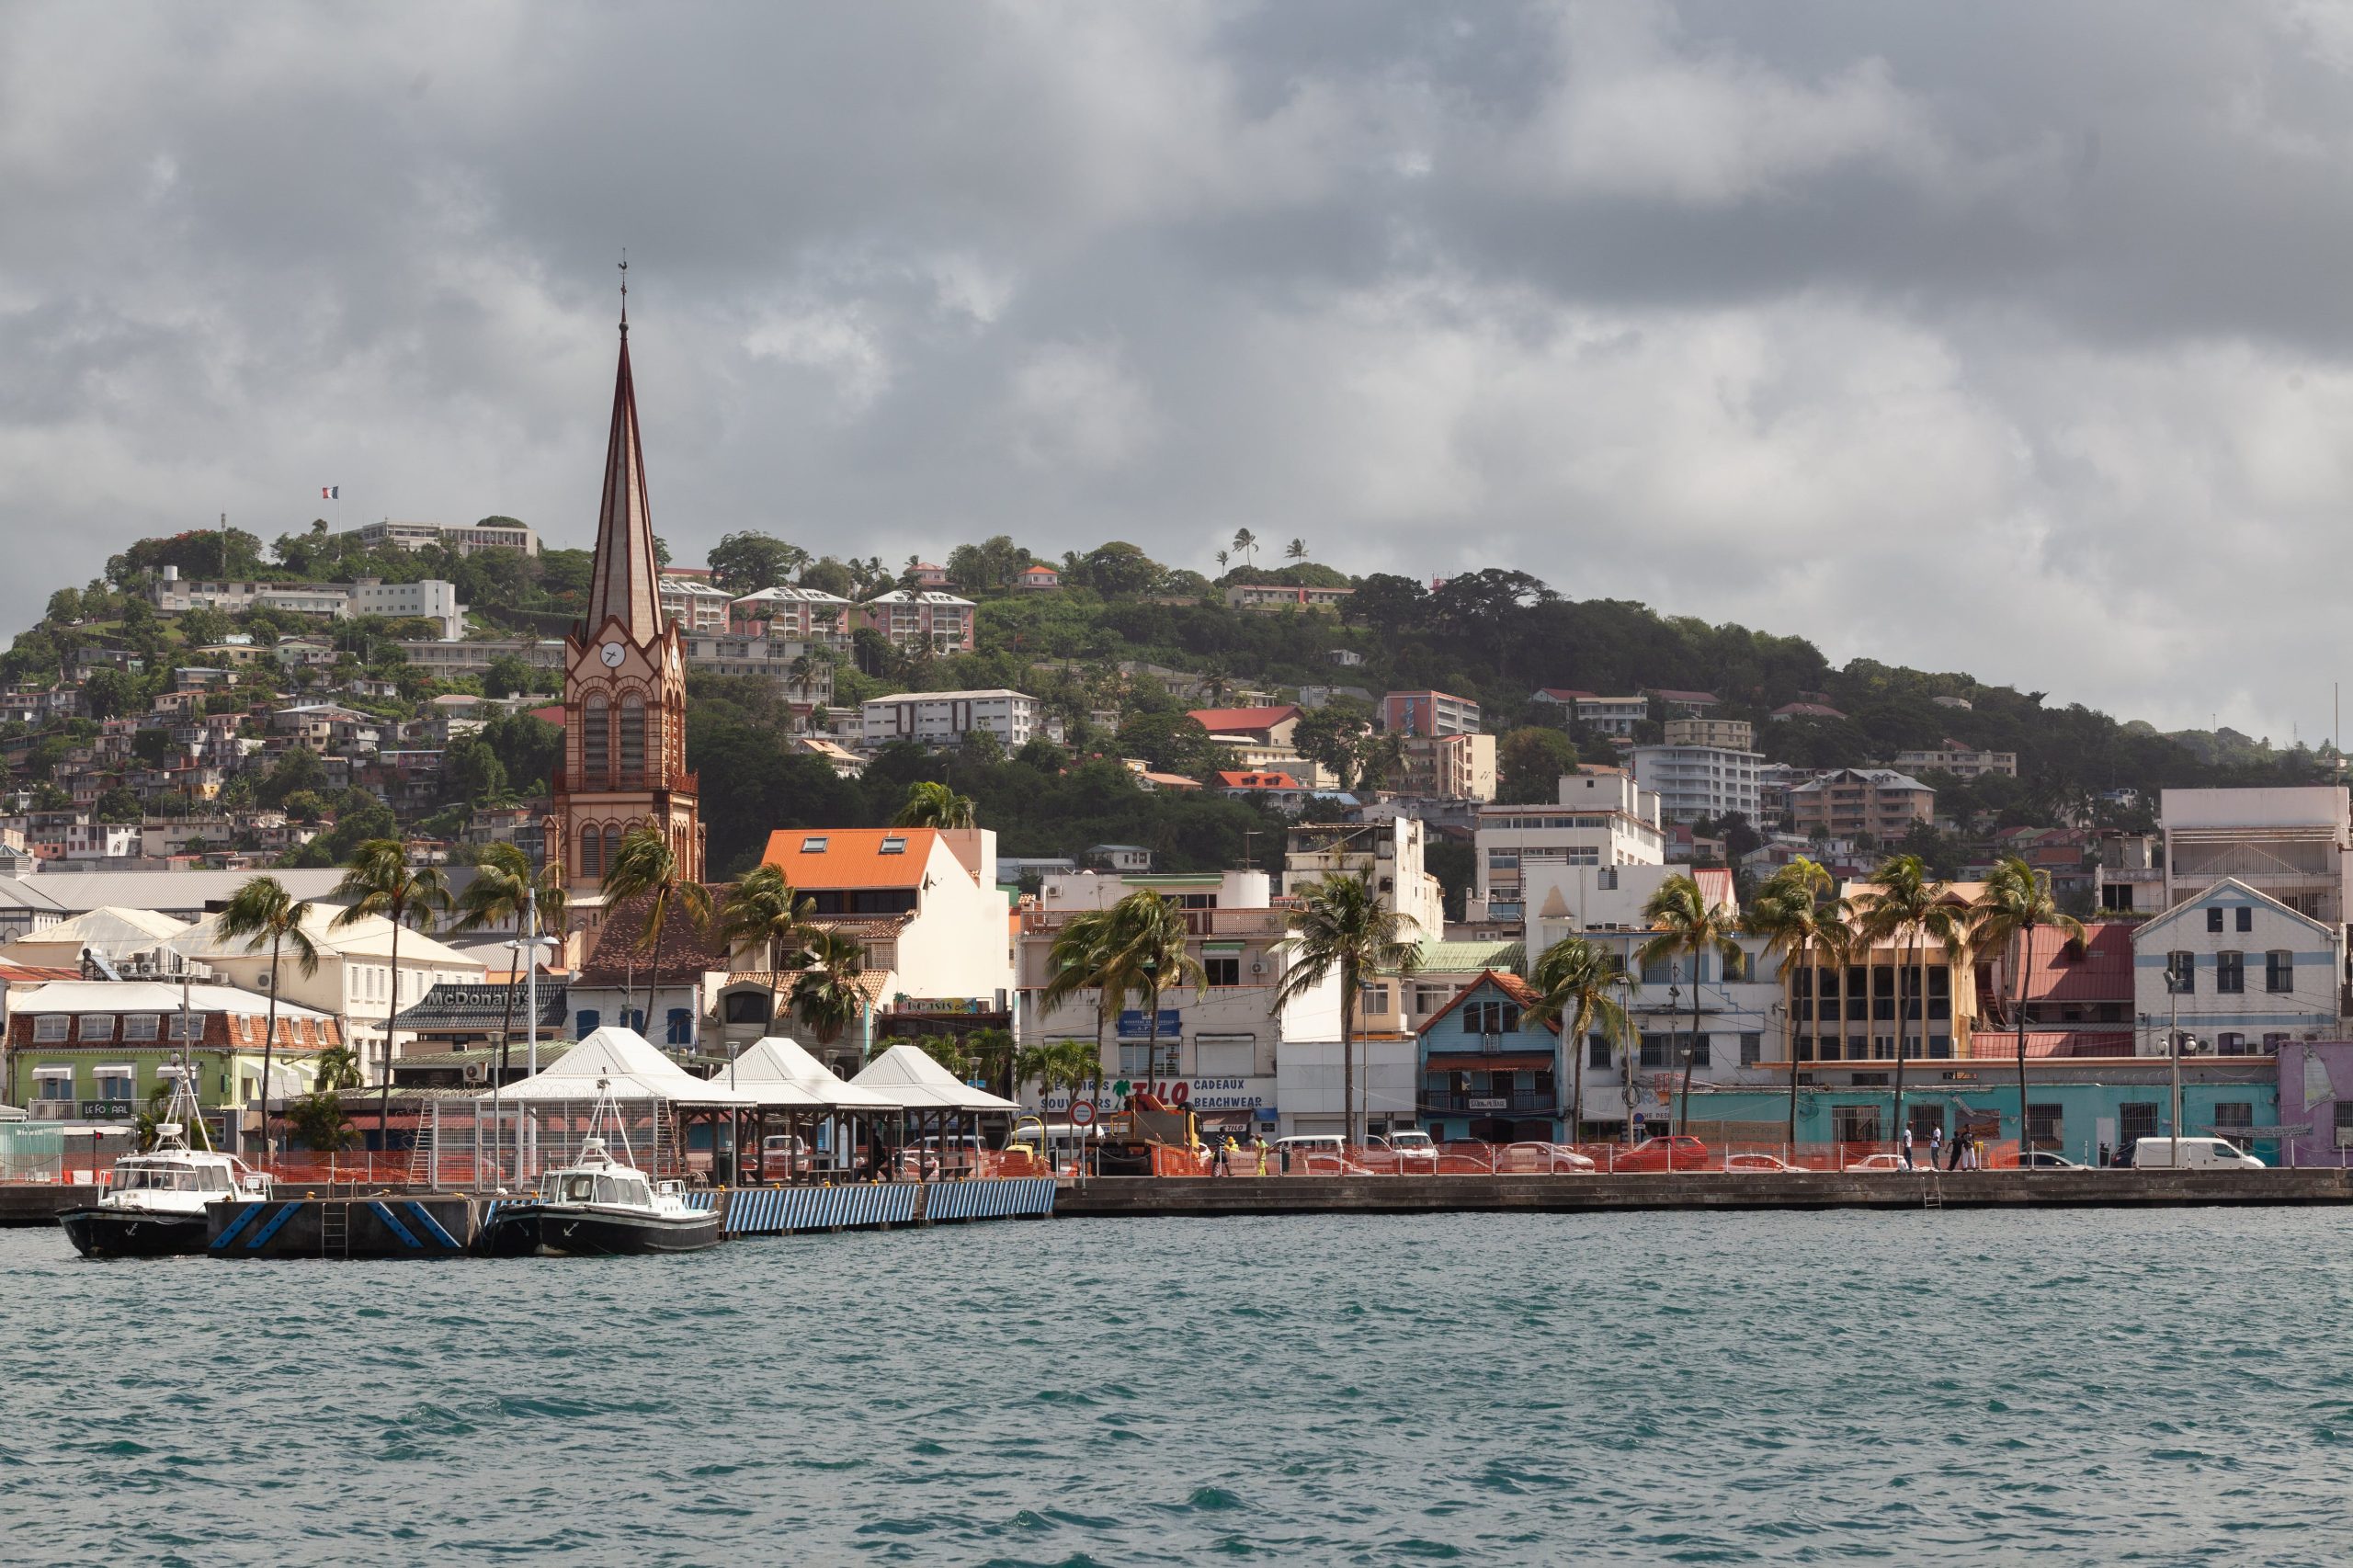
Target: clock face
[611, 655]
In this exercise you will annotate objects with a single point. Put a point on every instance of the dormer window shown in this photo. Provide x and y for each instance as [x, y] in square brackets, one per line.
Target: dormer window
[814, 845]
[893, 845]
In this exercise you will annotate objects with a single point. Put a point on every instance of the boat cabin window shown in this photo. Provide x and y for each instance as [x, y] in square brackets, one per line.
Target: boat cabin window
[579, 1188]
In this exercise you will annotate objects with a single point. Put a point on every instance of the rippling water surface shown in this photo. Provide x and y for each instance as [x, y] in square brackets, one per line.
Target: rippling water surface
[2076, 1387]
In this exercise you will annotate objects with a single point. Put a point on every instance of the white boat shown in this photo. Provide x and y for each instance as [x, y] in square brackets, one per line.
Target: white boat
[159, 1202]
[599, 1206]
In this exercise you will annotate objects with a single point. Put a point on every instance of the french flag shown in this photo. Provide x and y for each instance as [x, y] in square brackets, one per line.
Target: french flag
[330, 492]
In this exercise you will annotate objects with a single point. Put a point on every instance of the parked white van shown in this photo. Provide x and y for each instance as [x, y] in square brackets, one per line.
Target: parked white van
[2197, 1154]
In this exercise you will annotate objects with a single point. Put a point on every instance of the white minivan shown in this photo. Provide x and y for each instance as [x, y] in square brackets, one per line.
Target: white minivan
[2197, 1154]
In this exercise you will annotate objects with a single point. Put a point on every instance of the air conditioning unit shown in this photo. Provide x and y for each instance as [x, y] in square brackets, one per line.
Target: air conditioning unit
[476, 1072]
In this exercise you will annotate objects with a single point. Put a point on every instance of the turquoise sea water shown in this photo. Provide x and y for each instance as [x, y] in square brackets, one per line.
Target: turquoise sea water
[1699, 1388]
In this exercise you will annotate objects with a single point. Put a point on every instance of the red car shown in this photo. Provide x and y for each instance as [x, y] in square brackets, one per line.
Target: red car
[1680, 1152]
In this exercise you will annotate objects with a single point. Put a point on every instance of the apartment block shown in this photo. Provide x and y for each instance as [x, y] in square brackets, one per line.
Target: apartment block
[1276, 596]
[474, 655]
[1387, 855]
[1960, 761]
[921, 617]
[945, 718]
[788, 665]
[1429, 713]
[2237, 969]
[1851, 803]
[1613, 715]
[694, 607]
[1693, 782]
[802, 615]
[463, 538]
[1721, 734]
[432, 599]
[1603, 818]
[1446, 768]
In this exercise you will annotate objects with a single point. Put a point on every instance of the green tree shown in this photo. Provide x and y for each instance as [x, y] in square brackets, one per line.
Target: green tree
[747, 563]
[1172, 743]
[471, 773]
[646, 867]
[1245, 544]
[2018, 898]
[930, 805]
[379, 880]
[766, 911]
[1528, 765]
[827, 992]
[505, 887]
[1296, 549]
[261, 912]
[1340, 924]
[1144, 956]
[1905, 901]
[1689, 924]
[508, 674]
[110, 693]
[1798, 911]
[117, 805]
[1076, 962]
[1582, 991]
[1330, 736]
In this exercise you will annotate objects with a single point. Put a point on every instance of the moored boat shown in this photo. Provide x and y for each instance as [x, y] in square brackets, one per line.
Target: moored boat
[598, 1208]
[158, 1202]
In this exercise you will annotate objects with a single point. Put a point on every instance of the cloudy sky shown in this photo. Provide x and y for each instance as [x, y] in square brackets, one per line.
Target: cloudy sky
[2012, 338]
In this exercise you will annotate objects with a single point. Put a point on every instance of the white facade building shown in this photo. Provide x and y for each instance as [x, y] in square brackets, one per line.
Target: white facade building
[431, 599]
[1387, 854]
[944, 718]
[1693, 782]
[692, 606]
[2289, 843]
[463, 538]
[2251, 973]
[1603, 818]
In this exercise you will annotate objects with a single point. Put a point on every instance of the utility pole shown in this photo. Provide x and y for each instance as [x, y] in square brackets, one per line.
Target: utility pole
[2173, 1050]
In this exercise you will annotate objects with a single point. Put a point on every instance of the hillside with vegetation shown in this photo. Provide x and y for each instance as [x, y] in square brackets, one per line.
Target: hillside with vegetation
[1102, 652]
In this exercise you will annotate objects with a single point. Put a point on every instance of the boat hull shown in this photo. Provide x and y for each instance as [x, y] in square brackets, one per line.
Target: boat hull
[129, 1232]
[534, 1230]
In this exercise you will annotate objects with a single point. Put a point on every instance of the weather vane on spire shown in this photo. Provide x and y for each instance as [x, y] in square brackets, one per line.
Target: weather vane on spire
[624, 289]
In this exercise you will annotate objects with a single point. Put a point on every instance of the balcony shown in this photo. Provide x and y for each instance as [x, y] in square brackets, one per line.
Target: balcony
[51, 1110]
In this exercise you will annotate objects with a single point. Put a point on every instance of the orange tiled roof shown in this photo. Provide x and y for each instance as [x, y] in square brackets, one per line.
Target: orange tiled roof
[1252, 779]
[1230, 719]
[851, 857]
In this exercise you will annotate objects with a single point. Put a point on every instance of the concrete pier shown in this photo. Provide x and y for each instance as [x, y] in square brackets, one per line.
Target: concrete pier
[1697, 1189]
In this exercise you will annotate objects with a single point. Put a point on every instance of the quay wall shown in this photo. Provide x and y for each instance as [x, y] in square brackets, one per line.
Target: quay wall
[1701, 1189]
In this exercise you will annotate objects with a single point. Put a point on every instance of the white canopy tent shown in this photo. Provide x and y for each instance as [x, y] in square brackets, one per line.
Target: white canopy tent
[909, 1076]
[782, 1073]
[633, 1068]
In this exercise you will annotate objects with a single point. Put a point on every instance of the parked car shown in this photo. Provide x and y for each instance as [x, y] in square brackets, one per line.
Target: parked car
[2197, 1154]
[783, 1156]
[1679, 1152]
[2052, 1160]
[1759, 1163]
[1409, 1141]
[1880, 1162]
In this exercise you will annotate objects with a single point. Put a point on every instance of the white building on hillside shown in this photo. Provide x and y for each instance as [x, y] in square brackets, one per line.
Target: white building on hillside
[1693, 782]
[1387, 854]
[944, 718]
[432, 599]
[2289, 843]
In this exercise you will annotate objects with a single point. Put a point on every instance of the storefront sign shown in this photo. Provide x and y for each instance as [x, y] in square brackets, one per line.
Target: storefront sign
[1134, 1024]
[1198, 1095]
[1498, 1103]
[106, 1110]
[945, 1005]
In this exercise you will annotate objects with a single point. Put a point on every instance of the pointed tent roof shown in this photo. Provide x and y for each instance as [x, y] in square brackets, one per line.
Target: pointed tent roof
[112, 929]
[909, 1076]
[623, 584]
[633, 1068]
[778, 1066]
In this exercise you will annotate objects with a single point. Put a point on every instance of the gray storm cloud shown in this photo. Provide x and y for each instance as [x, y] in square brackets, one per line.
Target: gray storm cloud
[2010, 338]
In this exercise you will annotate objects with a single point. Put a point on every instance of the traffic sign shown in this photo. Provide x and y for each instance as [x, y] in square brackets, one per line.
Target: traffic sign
[1081, 1113]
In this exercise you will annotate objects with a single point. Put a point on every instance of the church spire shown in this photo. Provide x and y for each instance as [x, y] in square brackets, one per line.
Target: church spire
[621, 585]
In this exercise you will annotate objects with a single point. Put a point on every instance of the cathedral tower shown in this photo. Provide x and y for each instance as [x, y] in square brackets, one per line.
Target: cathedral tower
[624, 684]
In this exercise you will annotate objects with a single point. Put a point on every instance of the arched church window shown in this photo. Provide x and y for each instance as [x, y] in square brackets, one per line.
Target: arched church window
[632, 736]
[592, 851]
[596, 744]
[612, 842]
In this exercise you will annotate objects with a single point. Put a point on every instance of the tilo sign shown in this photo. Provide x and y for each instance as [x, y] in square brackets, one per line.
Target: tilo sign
[1191, 1094]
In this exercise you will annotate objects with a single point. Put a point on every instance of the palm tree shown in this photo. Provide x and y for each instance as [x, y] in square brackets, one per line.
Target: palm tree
[1905, 899]
[1791, 915]
[1580, 987]
[264, 914]
[1222, 559]
[765, 908]
[645, 866]
[1144, 955]
[505, 886]
[1296, 549]
[931, 804]
[380, 881]
[2016, 899]
[1341, 924]
[1691, 925]
[826, 992]
[1075, 963]
[1247, 544]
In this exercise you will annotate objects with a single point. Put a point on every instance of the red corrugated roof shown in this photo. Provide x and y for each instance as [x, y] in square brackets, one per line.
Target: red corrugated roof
[1566, 694]
[1716, 883]
[1250, 779]
[2057, 971]
[851, 857]
[1989, 1045]
[1216, 719]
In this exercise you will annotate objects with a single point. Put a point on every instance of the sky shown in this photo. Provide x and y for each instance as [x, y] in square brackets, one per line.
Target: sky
[2014, 339]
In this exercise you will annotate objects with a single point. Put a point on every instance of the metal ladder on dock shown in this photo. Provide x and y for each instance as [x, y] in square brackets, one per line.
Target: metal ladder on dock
[334, 1229]
[1932, 1192]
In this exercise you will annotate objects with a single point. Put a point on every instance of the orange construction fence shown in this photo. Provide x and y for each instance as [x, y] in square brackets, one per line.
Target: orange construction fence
[1559, 1159]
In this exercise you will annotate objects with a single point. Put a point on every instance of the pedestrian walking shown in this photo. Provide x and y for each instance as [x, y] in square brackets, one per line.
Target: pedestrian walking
[1219, 1167]
[1903, 1142]
[1259, 1142]
[1936, 1146]
[1960, 1146]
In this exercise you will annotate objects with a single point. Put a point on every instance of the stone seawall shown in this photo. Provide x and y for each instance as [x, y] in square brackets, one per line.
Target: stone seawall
[1581, 1194]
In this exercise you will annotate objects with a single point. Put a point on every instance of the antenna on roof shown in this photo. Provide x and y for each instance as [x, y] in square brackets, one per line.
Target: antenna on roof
[624, 291]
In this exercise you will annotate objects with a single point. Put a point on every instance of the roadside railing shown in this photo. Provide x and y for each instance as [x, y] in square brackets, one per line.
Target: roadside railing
[1538, 1158]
